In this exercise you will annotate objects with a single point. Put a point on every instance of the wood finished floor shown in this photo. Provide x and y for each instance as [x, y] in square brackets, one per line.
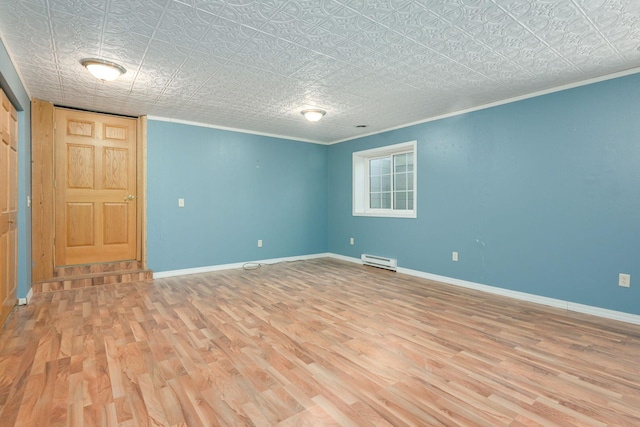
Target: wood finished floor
[312, 343]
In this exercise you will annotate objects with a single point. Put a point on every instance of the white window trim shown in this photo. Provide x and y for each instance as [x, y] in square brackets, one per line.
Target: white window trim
[361, 180]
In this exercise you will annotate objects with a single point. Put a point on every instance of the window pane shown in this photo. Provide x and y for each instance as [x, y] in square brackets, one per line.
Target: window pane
[410, 200]
[385, 200]
[385, 182]
[375, 167]
[386, 165]
[400, 181]
[409, 161]
[375, 201]
[400, 163]
[410, 181]
[375, 184]
[401, 200]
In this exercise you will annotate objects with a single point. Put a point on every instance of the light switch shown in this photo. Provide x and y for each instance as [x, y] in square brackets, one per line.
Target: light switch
[181, 203]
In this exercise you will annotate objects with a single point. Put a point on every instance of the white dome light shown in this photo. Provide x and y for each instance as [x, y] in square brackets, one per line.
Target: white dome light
[104, 70]
[313, 115]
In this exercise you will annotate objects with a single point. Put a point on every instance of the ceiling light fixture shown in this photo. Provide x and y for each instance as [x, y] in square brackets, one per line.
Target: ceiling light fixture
[313, 115]
[104, 70]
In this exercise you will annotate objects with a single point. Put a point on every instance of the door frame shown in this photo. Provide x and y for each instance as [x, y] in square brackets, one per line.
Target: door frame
[43, 190]
[8, 228]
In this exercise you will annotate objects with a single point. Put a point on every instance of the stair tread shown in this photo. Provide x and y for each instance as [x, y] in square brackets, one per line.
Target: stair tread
[89, 275]
[93, 275]
[109, 267]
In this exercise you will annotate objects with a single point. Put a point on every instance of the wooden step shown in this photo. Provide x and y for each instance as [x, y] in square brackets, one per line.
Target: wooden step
[84, 276]
[104, 267]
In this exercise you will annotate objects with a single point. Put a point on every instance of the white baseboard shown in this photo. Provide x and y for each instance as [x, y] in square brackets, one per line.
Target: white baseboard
[603, 312]
[27, 300]
[207, 269]
[345, 258]
[523, 296]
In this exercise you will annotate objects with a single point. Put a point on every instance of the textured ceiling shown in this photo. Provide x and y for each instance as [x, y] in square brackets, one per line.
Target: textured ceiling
[254, 65]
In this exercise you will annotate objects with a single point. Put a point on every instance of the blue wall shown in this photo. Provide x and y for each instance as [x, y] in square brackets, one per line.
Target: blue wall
[540, 196]
[238, 188]
[11, 84]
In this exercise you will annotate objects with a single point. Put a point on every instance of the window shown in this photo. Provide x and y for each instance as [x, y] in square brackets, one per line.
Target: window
[384, 181]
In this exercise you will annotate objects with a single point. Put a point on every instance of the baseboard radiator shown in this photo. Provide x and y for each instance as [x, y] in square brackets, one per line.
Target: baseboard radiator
[379, 261]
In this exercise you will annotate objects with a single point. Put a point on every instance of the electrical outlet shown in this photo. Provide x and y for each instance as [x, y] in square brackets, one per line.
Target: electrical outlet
[352, 241]
[624, 280]
[259, 243]
[181, 203]
[454, 256]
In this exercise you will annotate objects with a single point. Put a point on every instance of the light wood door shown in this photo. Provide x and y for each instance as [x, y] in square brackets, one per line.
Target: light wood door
[8, 206]
[95, 180]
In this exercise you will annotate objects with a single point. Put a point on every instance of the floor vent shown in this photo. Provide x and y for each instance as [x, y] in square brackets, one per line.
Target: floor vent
[379, 261]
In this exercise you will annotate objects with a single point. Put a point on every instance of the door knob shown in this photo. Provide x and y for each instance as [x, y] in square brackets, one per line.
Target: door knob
[11, 221]
[129, 198]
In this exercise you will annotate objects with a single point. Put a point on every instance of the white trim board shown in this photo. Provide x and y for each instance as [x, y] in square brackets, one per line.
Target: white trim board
[27, 299]
[29, 295]
[230, 129]
[523, 296]
[207, 269]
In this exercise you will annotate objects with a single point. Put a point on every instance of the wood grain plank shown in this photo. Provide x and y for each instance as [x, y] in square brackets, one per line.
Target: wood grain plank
[320, 342]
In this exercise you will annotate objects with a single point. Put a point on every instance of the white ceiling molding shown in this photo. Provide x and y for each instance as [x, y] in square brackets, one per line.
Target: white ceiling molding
[210, 126]
[253, 65]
